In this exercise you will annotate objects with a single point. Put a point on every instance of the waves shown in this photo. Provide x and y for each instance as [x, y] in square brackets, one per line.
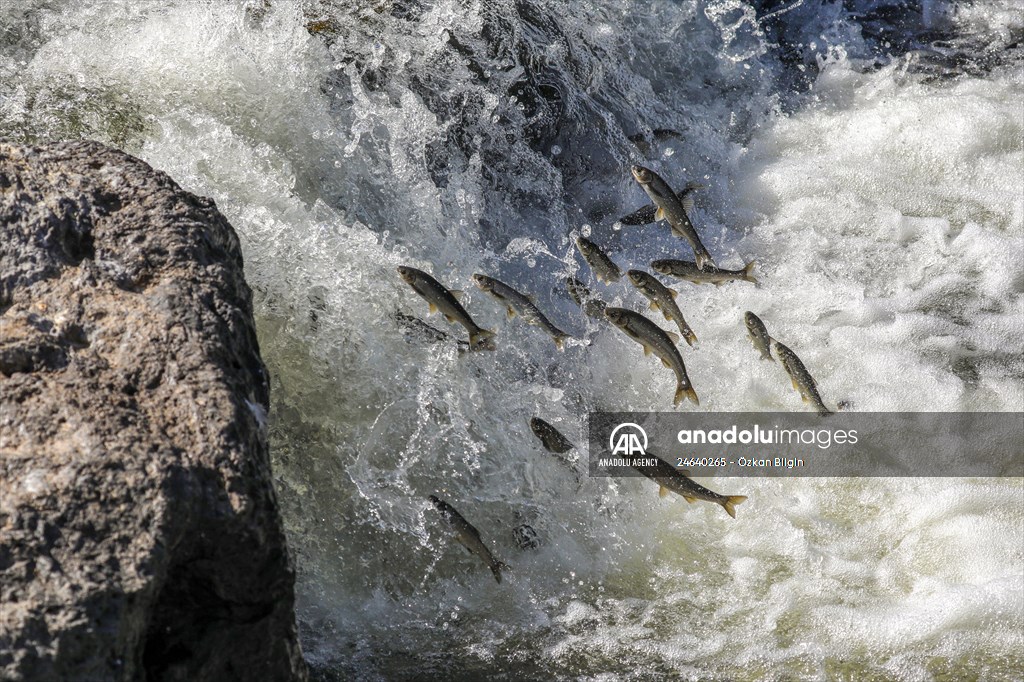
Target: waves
[867, 154]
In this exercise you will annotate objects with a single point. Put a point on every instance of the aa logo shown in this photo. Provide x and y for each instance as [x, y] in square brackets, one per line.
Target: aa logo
[628, 439]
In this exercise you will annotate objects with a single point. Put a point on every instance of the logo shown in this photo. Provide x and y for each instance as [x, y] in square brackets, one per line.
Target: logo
[630, 442]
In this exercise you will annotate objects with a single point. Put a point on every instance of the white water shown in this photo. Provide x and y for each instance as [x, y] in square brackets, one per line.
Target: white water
[885, 209]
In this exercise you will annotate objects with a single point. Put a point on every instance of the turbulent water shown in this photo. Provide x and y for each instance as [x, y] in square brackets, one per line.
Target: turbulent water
[868, 154]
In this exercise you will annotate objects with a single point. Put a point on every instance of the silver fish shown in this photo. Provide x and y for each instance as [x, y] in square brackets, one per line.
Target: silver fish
[417, 329]
[675, 480]
[520, 304]
[554, 442]
[655, 339]
[646, 214]
[440, 298]
[801, 378]
[664, 299]
[684, 269]
[604, 268]
[550, 437]
[468, 536]
[671, 209]
[585, 298]
[758, 334]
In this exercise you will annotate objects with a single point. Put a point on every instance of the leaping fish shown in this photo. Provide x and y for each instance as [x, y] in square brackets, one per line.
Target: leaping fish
[655, 339]
[758, 334]
[664, 299]
[604, 268]
[441, 299]
[584, 298]
[468, 536]
[710, 274]
[646, 214]
[671, 209]
[520, 304]
[671, 479]
[800, 377]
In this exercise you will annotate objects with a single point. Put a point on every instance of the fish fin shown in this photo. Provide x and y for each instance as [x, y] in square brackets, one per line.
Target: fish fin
[704, 258]
[662, 491]
[672, 292]
[747, 269]
[647, 349]
[459, 294]
[655, 306]
[731, 502]
[666, 363]
[686, 199]
[641, 216]
[689, 499]
[796, 386]
[431, 309]
[511, 312]
[481, 340]
[450, 318]
[560, 341]
[767, 355]
[496, 567]
[685, 392]
[673, 336]
[659, 214]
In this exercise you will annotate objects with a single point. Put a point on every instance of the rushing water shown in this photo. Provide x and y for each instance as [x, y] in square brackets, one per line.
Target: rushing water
[867, 153]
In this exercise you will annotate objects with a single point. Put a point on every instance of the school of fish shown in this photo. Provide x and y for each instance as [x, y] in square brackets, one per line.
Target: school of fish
[675, 209]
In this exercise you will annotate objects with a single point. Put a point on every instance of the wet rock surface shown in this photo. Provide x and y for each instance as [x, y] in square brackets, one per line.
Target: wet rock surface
[139, 532]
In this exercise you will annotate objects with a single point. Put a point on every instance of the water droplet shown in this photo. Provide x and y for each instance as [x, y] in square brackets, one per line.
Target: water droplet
[555, 150]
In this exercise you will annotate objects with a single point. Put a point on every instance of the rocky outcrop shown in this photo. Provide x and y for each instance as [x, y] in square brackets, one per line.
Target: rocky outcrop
[139, 531]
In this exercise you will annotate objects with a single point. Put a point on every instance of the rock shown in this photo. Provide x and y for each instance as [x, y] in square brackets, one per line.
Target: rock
[139, 531]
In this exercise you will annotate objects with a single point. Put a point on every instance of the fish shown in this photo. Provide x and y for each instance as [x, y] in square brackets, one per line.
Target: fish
[664, 299]
[415, 328]
[671, 209]
[669, 478]
[684, 269]
[645, 214]
[655, 339]
[584, 298]
[550, 437]
[440, 298]
[604, 268]
[554, 442]
[801, 378]
[758, 334]
[520, 304]
[468, 536]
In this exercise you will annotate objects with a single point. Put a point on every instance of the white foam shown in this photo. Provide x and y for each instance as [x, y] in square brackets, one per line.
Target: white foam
[886, 217]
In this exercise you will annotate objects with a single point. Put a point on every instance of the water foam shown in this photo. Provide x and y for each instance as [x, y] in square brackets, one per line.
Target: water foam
[884, 210]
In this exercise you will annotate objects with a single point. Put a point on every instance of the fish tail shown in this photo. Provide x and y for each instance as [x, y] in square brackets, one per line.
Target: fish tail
[767, 354]
[479, 339]
[823, 411]
[703, 258]
[690, 337]
[685, 392]
[749, 268]
[731, 502]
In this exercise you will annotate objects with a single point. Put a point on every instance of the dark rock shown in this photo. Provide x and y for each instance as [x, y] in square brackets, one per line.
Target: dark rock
[139, 532]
